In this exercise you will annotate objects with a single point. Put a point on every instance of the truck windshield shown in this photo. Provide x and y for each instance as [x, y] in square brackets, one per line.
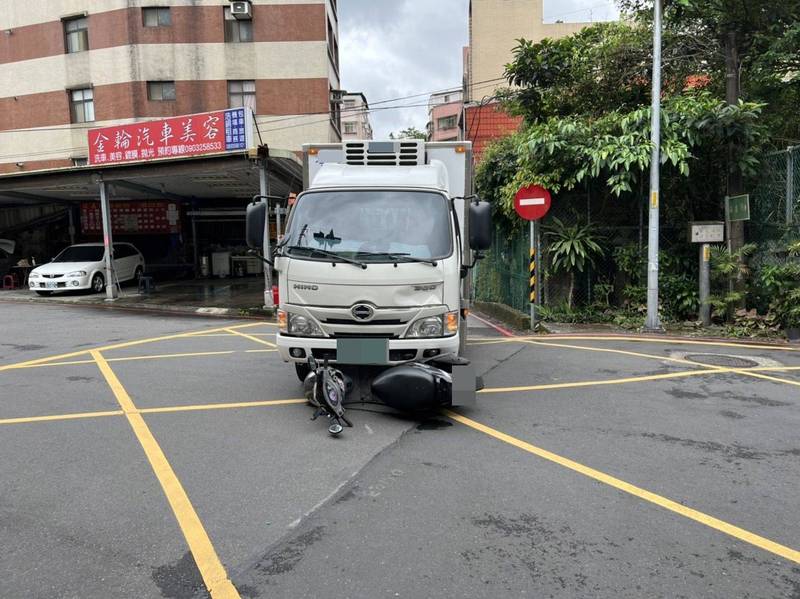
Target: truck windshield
[374, 226]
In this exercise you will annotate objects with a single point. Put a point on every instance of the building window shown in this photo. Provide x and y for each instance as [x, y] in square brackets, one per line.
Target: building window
[237, 30]
[349, 128]
[161, 90]
[81, 105]
[447, 122]
[76, 35]
[335, 107]
[80, 161]
[242, 93]
[156, 16]
[333, 47]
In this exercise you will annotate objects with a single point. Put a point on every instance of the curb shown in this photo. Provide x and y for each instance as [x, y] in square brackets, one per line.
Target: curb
[196, 311]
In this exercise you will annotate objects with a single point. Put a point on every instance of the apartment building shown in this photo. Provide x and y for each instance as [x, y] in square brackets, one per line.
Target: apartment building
[355, 117]
[70, 65]
[444, 110]
[494, 28]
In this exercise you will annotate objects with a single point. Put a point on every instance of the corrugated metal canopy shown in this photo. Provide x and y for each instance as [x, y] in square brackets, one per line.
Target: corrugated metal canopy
[234, 177]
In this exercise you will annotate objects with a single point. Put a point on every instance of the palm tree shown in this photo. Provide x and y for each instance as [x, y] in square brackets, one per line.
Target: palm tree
[571, 248]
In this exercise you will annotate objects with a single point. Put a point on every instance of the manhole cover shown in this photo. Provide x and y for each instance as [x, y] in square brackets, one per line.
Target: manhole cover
[722, 360]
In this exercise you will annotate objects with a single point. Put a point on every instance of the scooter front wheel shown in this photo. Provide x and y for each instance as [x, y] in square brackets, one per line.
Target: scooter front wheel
[335, 428]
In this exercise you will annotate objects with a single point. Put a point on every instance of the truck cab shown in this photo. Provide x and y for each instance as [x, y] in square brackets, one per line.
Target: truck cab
[373, 266]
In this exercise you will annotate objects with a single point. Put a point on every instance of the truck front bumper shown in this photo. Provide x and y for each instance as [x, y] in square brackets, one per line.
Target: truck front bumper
[297, 349]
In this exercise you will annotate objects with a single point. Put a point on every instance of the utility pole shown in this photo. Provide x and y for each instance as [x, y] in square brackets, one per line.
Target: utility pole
[652, 323]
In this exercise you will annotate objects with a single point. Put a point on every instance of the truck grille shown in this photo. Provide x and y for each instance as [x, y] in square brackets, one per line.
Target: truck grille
[371, 322]
[363, 335]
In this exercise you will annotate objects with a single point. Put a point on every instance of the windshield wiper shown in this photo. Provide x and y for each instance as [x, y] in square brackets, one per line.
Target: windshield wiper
[399, 257]
[328, 254]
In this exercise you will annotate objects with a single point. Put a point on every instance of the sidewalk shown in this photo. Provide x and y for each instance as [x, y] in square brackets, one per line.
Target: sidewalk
[223, 297]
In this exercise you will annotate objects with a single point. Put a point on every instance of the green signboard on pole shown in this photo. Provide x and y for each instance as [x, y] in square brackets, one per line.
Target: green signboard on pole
[738, 207]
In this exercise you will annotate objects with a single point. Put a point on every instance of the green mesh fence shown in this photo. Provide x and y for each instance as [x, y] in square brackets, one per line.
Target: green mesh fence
[621, 223]
[775, 204]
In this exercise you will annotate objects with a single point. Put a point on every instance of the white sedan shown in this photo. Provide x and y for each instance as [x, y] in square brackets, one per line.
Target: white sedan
[83, 266]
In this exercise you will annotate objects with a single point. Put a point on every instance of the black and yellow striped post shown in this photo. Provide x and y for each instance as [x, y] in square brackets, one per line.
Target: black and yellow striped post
[533, 290]
[533, 276]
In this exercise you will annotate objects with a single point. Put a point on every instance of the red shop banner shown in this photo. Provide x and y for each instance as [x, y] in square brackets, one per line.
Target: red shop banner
[132, 218]
[190, 135]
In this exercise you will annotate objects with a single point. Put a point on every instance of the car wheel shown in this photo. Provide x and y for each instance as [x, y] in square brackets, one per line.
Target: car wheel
[43, 293]
[302, 370]
[98, 283]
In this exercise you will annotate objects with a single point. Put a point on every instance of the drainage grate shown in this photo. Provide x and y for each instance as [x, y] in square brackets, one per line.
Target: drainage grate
[722, 360]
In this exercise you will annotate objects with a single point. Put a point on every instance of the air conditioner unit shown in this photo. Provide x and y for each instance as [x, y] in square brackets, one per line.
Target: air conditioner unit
[242, 10]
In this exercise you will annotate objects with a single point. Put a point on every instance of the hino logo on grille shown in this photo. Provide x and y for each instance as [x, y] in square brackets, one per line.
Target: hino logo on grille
[362, 312]
[306, 287]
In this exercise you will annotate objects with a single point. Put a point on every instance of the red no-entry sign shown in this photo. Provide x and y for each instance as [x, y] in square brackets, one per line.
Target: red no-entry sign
[532, 202]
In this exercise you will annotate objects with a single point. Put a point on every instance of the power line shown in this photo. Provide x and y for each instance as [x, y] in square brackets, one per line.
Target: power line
[73, 127]
[486, 84]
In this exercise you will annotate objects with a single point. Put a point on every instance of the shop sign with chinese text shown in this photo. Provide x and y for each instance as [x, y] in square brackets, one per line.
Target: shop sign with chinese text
[132, 218]
[190, 135]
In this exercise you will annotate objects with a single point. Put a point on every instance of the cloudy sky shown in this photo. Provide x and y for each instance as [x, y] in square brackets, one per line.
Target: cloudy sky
[398, 48]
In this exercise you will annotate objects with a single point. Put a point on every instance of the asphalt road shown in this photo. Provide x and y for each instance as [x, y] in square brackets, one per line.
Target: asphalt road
[148, 456]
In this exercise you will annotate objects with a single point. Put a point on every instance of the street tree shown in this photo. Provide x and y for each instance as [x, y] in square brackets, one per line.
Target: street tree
[409, 133]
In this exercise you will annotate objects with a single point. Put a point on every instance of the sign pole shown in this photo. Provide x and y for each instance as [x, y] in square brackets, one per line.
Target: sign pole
[532, 274]
[108, 242]
[705, 284]
[532, 203]
[263, 179]
[652, 323]
[539, 259]
[728, 236]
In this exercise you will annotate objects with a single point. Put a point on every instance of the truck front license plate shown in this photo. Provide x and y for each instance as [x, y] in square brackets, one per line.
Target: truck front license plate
[362, 351]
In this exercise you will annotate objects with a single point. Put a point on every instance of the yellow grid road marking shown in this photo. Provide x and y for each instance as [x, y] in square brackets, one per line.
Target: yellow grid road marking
[208, 563]
[636, 379]
[739, 533]
[189, 408]
[231, 334]
[146, 357]
[768, 378]
[223, 406]
[610, 350]
[251, 338]
[54, 417]
[491, 340]
[83, 352]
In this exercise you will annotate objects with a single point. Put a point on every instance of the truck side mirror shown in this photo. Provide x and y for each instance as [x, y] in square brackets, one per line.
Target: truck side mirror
[256, 219]
[480, 225]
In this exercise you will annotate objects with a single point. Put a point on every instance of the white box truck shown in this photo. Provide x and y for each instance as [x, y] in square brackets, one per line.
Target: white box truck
[373, 268]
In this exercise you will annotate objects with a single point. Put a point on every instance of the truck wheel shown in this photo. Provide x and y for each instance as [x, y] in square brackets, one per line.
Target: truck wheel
[302, 370]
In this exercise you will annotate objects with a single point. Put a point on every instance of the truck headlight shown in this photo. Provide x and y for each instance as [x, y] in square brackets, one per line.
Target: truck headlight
[443, 325]
[303, 326]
